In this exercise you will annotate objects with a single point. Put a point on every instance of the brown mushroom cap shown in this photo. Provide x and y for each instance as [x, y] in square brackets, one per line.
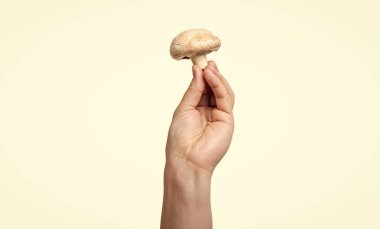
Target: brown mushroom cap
[193, 42]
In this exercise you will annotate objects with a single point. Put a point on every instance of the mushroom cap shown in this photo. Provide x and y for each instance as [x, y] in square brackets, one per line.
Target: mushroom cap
[193, 42]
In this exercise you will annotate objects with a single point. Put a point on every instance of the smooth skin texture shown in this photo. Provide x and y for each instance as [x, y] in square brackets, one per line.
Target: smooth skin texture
[199, 136]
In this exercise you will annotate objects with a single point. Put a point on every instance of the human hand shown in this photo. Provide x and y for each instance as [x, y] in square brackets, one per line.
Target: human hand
[202, 125]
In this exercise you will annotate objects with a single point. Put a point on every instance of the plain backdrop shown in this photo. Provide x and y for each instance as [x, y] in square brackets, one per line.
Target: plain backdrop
[87, 91]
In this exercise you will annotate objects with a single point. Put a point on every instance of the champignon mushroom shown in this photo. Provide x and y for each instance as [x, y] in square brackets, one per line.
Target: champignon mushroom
[194, 44]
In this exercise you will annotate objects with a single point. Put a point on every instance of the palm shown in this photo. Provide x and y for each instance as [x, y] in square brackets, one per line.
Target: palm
[206, 134]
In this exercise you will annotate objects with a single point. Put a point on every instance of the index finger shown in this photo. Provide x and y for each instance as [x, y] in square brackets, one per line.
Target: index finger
[222, 98]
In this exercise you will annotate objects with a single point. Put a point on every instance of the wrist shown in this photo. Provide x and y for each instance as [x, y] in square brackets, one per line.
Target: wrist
[181, 176]
[186, 178]
[180, 169]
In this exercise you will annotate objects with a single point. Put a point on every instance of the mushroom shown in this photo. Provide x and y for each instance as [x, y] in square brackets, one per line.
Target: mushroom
[194, 44]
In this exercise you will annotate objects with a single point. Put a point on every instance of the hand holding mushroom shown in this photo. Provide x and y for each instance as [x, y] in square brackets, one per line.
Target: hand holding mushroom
[199, 135]
[202, 124]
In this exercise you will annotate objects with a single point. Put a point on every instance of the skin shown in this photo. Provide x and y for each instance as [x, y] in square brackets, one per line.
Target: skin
[199, 136]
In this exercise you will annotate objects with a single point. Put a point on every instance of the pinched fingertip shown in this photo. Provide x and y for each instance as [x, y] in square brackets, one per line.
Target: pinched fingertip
[196, 71]
[211, 64]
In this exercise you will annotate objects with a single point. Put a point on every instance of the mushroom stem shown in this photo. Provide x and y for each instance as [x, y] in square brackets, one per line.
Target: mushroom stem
[199, 60]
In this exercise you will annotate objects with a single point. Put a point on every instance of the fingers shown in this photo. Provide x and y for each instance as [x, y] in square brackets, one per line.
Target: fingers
[223, 99]
[193, 95]
[216, 91]
[212, 65]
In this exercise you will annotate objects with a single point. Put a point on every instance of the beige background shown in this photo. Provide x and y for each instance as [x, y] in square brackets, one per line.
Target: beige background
[87, 90]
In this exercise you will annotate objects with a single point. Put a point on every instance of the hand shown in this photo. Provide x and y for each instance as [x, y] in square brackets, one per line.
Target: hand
[202, 126]
[199, 136]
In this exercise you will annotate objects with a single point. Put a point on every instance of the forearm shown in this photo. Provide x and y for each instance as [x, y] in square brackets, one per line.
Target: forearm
[186, 203]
